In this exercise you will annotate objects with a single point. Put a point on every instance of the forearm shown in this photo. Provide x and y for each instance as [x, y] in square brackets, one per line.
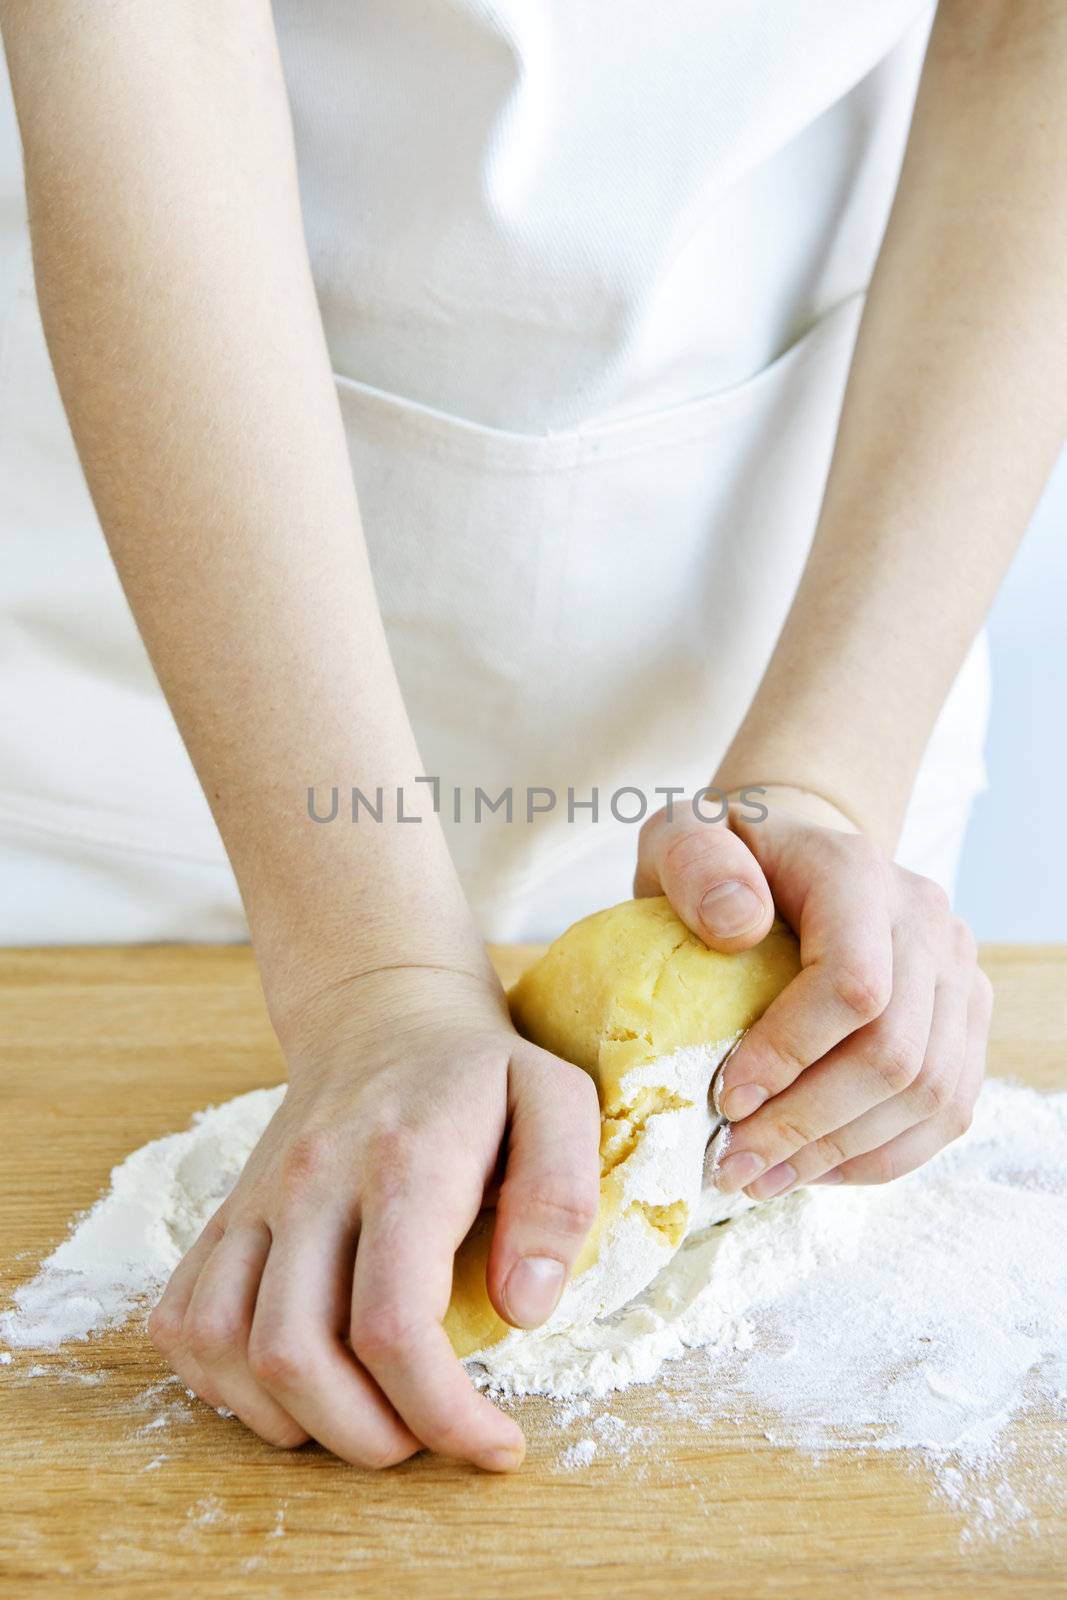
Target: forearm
[954, 412]
[182, 322]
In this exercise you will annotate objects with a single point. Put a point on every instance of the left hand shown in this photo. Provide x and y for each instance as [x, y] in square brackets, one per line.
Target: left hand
[871, 1060]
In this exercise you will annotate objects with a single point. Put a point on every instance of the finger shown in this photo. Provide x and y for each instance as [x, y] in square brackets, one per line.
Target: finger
[846, 950]
[414, 1219]
[297, 1349]
[551, 1190]
[873, 1065]
[931, 1091]
[166, 1319]
[910, 1150]
[216, 1329]
[710, 877]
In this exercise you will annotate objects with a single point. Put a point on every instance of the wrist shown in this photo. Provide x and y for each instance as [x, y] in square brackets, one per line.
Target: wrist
[799, 801]
[363, 946]
[389, 1004]
[871, 795]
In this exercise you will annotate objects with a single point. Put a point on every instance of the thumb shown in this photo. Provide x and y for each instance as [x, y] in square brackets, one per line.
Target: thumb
[551, 1189]
[710, 877]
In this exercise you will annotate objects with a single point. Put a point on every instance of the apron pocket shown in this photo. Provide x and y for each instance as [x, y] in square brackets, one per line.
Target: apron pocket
[593, 607]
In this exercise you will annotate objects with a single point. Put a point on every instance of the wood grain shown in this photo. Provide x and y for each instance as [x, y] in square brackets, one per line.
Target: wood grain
[112, 1481]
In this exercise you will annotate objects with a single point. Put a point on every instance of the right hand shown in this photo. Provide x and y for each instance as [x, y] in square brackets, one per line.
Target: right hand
[311, 1303]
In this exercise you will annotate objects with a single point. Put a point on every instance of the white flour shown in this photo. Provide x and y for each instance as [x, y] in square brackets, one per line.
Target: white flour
[659, 1146]
[126, 1247]
[918, 1307]
[921, 1315]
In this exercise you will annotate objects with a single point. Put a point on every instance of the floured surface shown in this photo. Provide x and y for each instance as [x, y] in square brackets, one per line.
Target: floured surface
[107, 1470]
[923, 1315]
[920, 1304]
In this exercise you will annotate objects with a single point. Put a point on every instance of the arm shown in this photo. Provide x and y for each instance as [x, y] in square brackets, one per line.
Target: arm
[182, 322]
[954, 413]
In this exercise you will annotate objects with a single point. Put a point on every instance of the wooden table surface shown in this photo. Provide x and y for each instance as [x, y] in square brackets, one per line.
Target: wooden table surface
[112, 1481]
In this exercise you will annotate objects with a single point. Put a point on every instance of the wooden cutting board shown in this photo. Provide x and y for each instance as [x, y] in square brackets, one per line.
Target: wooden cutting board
[111, 1481]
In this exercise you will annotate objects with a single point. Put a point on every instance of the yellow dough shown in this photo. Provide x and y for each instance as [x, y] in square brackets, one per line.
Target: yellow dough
[639, 1002]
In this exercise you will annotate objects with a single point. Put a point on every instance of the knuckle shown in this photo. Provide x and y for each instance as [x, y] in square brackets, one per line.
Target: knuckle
[583, 1084]
[932, 1092]
[879, 1167]
[275, 1360]
[164, 1327]
[392, 1153]
[959, 1119]
[830, 1150]
[895, 1062]
[306, 1161]
[863, 986]
[212, 1231]
[692, 847]
[568, 1210]
[651, 827]
[931, 901]
[381, 1331]
[964, 943]
[583, 1089]
[567, 1204]
[784, 1066]
[212, 1334]
[983, 994]
[790, 1133]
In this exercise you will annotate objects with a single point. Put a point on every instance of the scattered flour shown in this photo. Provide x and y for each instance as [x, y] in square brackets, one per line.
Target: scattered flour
[578, 1455]
[923, 1315]
[611, 1438]
[207, 1513]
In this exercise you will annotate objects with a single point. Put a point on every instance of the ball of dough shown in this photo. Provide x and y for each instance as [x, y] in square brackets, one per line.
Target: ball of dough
[638, 1001]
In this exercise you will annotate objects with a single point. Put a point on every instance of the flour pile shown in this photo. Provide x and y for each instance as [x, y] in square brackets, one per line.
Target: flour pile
[924, 1314]
[128, 1245]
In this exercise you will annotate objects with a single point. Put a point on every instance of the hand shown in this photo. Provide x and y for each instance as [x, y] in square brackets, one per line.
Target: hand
[871, 1060]
[311, 1304]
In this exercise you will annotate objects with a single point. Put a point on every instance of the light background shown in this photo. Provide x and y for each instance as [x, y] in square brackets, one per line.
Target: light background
[1013, 875]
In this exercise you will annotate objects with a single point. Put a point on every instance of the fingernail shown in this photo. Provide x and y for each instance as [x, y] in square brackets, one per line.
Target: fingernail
[503, 1460]
[532, 1290]
[738, 1169]
[779, 1178]
[741, 1102]
[730, 908]
[830, 1177]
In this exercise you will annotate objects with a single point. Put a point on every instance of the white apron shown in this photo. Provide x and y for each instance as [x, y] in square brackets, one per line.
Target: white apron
[590, 274]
